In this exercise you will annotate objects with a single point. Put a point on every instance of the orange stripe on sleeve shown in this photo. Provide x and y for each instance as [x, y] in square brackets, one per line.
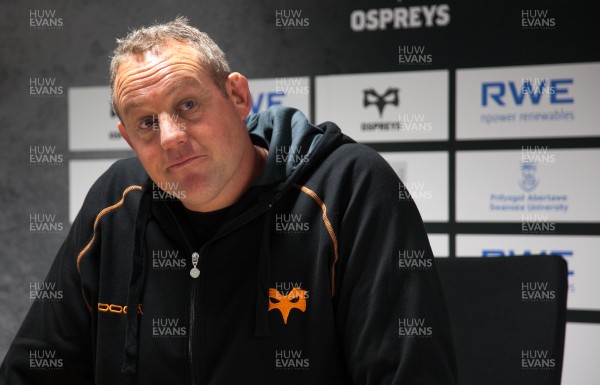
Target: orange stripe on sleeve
[98, 217]
[329, 227]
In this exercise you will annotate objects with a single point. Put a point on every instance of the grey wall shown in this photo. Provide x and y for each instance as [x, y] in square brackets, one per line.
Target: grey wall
[76, 54]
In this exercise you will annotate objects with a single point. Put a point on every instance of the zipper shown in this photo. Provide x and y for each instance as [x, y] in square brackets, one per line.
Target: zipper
[195, 271]
[191, 329]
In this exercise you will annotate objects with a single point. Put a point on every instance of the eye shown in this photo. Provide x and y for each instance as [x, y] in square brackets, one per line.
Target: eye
[188, 105]
[149, 123]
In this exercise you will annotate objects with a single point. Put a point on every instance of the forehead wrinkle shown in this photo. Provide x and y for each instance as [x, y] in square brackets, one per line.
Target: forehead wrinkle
[157, 58]
[156, 75]
[152, 69]
[184, 81]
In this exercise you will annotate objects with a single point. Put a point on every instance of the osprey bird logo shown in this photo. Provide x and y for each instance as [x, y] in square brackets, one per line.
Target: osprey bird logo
[295, 299]
[390, 96]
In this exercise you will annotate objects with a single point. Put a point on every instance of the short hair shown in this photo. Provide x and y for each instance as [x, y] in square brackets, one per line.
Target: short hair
[146, 39]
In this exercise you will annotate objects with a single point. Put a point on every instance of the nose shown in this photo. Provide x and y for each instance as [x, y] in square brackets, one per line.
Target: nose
[172, 130]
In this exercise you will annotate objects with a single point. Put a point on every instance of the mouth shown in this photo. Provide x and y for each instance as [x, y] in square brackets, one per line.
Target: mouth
[179, 163]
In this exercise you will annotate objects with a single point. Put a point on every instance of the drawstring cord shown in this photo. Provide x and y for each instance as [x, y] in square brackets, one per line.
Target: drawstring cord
[263, 278]
[136, 284]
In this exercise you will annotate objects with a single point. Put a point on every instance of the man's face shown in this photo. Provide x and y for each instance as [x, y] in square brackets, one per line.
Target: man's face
[187, 134]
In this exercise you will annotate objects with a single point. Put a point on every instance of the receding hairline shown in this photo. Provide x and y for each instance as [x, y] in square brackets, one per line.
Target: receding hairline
[155, 38]
[158, 50]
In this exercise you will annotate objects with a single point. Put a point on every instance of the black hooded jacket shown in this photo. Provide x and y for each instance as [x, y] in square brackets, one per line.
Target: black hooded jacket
[321, 273]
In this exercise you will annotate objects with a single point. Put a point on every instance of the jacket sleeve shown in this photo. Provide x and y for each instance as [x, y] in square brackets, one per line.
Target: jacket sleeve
[54, 343]
[391, 312]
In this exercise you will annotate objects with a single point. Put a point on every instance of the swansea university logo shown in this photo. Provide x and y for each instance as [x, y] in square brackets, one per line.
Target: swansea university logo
[390, 96]
[529, 182]
[295, 299]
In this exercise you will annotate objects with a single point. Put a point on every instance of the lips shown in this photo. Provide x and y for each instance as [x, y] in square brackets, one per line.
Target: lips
[177, 163]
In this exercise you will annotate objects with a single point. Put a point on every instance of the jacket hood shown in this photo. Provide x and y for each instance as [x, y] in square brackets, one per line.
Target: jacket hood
[295, 145]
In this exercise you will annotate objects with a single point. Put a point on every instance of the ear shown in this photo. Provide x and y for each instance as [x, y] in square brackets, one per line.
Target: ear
[239, 93]
[124, 134]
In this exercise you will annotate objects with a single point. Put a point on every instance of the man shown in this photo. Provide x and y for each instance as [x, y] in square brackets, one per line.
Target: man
[234, 249]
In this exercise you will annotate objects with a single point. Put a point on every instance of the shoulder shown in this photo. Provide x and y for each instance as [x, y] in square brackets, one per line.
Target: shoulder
[348, 157]
[121, 178]
[128, 170]
[363, 162]
[122, 173]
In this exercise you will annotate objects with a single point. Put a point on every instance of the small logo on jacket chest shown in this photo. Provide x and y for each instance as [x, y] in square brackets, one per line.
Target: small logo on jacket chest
[295, 299]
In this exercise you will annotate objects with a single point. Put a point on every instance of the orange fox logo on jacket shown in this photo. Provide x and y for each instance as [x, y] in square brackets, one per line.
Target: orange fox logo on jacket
[295, 299]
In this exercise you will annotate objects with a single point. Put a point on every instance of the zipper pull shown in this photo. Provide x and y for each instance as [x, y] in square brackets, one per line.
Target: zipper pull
[195, 272]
